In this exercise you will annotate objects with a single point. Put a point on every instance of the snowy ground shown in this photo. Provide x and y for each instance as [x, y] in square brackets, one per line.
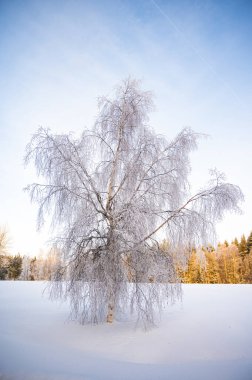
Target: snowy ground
[207, 336]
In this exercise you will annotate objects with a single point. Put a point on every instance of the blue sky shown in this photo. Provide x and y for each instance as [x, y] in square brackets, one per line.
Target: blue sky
[57, 57]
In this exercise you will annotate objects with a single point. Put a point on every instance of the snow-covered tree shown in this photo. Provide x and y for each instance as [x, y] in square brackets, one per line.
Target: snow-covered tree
[25, 274]
[4, 258]
[4, 240]
[111, 193]
[49, 264]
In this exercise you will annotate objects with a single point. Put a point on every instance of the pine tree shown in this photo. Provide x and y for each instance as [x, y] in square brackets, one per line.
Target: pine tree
[243, 246]
[195, 272]
[222, 263]
[230, 264]
[247, 268]
[226, 243]
[4, 262]
[192, 274]
[234, 265]
[209, 248]
[249, 243]
[235, 242]
[212, 268]
[15, 267]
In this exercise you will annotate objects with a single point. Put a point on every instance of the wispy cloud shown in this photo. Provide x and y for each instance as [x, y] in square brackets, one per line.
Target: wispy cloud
[59, 56]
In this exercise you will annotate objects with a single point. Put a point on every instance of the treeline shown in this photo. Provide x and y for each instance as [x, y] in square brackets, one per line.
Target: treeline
[228, 264]
[29, 268]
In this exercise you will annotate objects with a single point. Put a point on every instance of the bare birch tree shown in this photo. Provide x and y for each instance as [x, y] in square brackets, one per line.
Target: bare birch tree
[112, 192]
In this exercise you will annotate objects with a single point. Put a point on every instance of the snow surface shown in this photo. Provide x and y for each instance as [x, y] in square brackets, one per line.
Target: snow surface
[206, 336]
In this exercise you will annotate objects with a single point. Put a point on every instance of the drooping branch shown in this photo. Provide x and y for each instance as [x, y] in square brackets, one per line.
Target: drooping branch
[216, 200]
[111, 193]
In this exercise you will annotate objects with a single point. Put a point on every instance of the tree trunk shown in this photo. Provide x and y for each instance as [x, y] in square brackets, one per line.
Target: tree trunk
[110, 315]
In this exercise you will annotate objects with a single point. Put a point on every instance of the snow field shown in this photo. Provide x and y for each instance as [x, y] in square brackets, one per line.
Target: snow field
[206, 336]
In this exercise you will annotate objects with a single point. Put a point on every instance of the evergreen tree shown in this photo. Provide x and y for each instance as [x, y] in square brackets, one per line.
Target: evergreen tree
[230, 264]
[247, 266]
[226, 243]
[234, 265]
[243, 246]
[212, 268]
[4, 262]
[209, 248]
[194, 273]
[249, 243]
[235, 242]
[222, 263]
[15, 267]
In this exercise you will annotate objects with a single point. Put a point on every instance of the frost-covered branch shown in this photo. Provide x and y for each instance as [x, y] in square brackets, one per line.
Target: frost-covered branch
[111, 193]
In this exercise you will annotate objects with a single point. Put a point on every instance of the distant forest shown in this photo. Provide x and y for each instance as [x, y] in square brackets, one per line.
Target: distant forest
[229, 263]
